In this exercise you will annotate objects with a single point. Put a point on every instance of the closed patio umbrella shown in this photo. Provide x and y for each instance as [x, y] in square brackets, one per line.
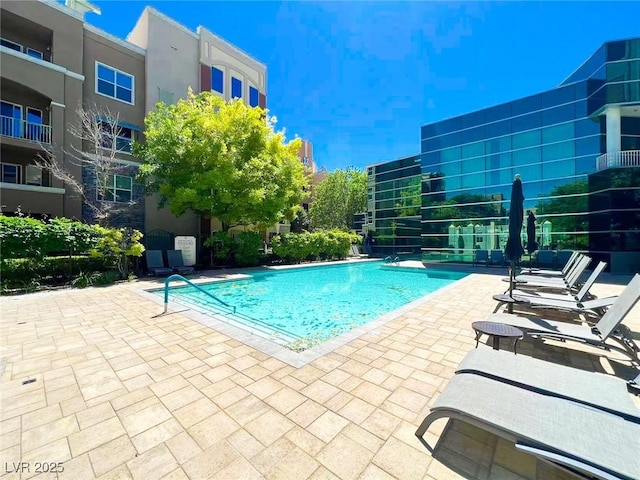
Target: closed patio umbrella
[513, 250]
[532, 245]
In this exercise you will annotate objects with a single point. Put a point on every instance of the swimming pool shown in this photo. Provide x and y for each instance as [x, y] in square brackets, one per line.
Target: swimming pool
[305, 306]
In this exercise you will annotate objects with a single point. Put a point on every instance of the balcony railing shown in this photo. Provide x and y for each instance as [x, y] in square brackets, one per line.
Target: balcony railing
[17, 128]
[629, 158]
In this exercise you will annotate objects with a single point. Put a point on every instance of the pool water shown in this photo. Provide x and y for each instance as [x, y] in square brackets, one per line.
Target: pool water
[316, 302]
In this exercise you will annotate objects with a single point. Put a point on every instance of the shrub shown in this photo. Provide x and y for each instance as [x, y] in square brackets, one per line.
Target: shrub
[331, 244]
[246, 249]
[117, 245]
[24, 237]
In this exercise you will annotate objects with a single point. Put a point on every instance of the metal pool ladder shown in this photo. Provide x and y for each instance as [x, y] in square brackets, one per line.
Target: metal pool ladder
[180, 277]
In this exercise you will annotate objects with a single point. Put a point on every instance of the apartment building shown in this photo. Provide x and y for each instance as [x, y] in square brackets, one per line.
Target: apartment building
[54, 61]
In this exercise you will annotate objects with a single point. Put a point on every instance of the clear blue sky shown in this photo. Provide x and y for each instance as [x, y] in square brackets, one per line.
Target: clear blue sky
[358, 79]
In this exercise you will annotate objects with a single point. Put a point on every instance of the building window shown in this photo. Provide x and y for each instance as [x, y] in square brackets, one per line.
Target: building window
[119, 188]
[165, 96]
[236, 88]
[10, 173]
[123, 136]
[33, 175]
[10, 119]
[12, 45]
[34, 53]
[217, 80]
[253, 97]
[114, 83]
[33, 126]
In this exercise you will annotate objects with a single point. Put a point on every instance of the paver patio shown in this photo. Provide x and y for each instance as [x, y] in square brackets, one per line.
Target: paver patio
[121, 394]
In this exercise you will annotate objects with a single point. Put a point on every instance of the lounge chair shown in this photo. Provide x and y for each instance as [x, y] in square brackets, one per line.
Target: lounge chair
[595, 390]
[496, 257]
[155, 263]
[527, 281]
[174, 259]
[588, 442]
[481, 256]
[609, 326]
[579, 303]
[554, 273]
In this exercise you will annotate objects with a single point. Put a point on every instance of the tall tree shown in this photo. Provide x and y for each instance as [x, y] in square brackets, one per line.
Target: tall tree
[339, 196]
[221, 159]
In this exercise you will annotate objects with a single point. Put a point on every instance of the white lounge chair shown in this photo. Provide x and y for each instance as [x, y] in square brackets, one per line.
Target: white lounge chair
[608, 327]
[587, 441]
[579, 302]
[568, 283]
[575, 256]
[595, 390]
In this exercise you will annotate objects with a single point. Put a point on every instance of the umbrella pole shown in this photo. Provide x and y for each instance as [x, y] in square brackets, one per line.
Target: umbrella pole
[511, 280]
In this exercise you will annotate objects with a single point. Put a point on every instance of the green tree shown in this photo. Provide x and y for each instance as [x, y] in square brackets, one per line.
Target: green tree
[339, 196]
[221, 159]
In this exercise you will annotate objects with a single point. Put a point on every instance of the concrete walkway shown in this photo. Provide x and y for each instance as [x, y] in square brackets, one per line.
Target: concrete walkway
[93, 382]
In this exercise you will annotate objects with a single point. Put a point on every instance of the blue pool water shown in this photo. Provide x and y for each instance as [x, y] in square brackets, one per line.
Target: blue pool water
[319, 302]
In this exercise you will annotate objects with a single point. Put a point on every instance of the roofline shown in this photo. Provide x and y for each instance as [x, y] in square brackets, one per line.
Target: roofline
[114, 39]
[418, 155]
[590, 56]
[526, 96]
[151, 10]
[231, 45]
[63, 8]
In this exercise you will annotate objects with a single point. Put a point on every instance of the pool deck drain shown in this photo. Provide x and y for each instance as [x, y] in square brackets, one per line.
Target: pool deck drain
[121, 394]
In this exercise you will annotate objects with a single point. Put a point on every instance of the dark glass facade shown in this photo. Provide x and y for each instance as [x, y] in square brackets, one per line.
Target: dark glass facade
[394, 202]
[556, 141]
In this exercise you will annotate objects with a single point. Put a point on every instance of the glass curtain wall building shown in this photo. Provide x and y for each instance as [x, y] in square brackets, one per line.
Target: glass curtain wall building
[394, 201]
[577, 150]
[570, 146]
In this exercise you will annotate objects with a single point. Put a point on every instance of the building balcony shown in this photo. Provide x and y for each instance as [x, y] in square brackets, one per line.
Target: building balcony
[629, 158]
[30, 131]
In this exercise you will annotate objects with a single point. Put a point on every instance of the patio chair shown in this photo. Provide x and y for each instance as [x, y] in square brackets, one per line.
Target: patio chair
[586, 441]
[496, 257]
[481, 257]
[609, 326]
[155, 263]
[566, 283]
[174, 259]
[595, 390]
[554, 273]
[581, 302]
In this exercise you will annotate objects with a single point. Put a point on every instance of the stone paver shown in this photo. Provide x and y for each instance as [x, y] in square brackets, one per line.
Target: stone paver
[121, 393]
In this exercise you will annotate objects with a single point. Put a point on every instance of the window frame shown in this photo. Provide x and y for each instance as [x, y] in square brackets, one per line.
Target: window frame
[6, 40]
[30, 51]
[112, 189]
[232, 96]
[257, 95]
[221, 91]
[18, 172]
[16, 129]
[115, 84]
[105, 126]
[26, 175]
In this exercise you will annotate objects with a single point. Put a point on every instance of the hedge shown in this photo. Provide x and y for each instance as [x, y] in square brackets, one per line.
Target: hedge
[36, 252]
[324, 245]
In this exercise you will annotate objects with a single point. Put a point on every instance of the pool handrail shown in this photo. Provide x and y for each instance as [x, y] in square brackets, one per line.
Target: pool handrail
[180, 277]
